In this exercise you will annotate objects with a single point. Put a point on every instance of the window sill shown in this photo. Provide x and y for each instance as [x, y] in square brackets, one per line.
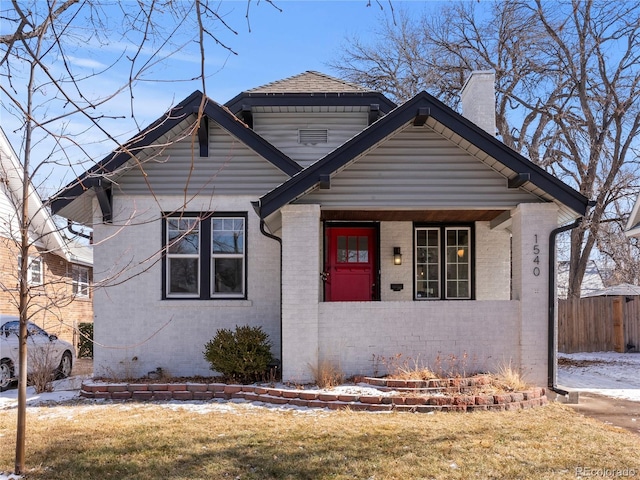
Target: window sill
[196, 302]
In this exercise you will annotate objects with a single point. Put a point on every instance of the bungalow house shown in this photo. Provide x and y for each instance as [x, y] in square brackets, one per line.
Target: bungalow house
[60, 269]
[349, 228]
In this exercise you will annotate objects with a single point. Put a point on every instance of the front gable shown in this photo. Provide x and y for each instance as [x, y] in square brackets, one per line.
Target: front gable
[202, 135]
[466, 168]
[230, 168]
[417, 168]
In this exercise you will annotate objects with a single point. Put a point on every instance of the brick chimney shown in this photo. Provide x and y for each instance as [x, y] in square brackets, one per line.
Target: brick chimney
[478, 98]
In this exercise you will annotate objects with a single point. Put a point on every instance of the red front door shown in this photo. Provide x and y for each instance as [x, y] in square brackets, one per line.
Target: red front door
[350, 264]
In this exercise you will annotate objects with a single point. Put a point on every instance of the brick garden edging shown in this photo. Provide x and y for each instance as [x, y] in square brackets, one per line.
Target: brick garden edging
[444, 395]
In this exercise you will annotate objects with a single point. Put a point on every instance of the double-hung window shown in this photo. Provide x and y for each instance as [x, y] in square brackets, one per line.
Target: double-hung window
[205, 256]
[443, 263]
[34, 270]
[80, 281]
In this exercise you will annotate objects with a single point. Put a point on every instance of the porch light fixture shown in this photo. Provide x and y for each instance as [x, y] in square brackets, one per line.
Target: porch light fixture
[397, 256]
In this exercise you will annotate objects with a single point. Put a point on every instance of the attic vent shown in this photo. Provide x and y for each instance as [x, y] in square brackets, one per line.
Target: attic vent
[313, 136]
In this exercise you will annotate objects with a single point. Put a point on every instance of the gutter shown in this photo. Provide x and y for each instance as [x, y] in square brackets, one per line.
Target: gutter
[256, 206]
[553, 340]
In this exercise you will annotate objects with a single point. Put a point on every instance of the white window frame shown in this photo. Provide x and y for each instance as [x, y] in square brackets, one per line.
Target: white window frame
[80, 287]
[34, 265]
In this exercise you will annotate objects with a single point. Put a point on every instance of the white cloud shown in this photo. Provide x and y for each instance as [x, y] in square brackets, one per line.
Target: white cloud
[86, 63]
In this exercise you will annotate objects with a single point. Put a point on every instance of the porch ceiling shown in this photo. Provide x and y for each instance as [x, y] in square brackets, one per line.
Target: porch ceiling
[411, 215]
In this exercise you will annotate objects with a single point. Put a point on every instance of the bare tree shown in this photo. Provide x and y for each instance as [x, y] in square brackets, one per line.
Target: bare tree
[52, 54]
[567, 83]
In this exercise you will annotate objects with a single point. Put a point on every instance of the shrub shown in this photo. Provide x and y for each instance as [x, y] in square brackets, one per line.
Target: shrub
[41, 370]
[85, 341]
[242, 355]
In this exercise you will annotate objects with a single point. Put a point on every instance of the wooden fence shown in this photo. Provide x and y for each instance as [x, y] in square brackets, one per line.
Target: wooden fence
[596, 324]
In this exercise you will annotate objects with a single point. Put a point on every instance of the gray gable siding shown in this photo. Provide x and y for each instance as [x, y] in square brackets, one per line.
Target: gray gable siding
[230, 169]
[281, 130]
[418, 168]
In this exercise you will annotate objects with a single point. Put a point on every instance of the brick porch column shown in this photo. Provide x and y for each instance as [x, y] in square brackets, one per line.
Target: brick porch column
[301, 255]
[532, 224]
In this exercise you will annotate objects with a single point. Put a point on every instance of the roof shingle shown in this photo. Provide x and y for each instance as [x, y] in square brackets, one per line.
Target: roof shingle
[309, 82]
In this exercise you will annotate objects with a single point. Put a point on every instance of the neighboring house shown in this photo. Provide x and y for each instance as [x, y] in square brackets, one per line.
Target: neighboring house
[60, 270]
[348, 228]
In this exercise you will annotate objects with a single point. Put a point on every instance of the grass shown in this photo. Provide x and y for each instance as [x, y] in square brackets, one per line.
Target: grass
[151, 441]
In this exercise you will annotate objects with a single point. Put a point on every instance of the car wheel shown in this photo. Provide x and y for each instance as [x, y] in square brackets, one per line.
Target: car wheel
[6, 374]
[66, 364]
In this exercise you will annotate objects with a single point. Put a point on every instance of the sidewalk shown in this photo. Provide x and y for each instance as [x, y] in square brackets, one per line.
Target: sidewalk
[610, 411]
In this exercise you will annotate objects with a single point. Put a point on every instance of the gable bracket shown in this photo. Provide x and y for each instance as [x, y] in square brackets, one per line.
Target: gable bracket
[104, 195]
[324, 182]
[247, 116]
[203, 136]
[519, 180]
[421, 116]
[374, 112]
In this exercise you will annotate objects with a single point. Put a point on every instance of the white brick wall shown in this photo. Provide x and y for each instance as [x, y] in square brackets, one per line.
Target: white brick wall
[131, 319]
[132, 322]
[396, 234]
[356, 334]
[478, 98]
[532, 224]
[301, 249]
[493, 263]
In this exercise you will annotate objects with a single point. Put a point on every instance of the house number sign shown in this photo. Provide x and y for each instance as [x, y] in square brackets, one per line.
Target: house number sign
[536, 258]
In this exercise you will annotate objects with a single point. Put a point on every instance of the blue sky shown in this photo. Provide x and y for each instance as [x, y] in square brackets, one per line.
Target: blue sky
[305, 35]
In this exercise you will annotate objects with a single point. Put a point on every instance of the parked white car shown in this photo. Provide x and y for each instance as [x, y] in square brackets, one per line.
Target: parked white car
[44, 351]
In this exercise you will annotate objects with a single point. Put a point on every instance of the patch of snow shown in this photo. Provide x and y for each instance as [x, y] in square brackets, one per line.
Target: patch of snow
[63, 390]
[605, 373]
[9, 476]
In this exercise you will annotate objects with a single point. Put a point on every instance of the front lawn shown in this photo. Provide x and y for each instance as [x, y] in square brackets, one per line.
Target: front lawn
[225, 440]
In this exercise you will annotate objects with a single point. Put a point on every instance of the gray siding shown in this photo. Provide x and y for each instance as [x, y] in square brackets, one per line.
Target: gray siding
[281, 130]
[230, 169]
[418, 168]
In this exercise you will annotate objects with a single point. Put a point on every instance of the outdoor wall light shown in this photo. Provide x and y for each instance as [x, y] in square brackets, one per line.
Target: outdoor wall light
[397, 256]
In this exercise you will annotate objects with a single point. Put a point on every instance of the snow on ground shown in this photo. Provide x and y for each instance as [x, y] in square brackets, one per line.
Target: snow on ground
[606, 373]
[63, 390]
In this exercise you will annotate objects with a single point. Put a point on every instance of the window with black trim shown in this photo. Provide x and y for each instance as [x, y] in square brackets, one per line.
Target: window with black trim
[205, 256]
[443, 262]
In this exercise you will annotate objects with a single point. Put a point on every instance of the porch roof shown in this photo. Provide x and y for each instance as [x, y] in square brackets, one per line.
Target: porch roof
[423, 109]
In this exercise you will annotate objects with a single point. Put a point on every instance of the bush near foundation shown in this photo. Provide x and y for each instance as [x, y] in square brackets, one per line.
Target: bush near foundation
[242, 355]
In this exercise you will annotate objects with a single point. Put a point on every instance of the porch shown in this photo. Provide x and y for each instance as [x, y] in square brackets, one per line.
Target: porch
[505, 319]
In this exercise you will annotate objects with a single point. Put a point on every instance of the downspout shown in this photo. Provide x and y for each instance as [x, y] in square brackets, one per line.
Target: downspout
[78, 233]
[256, 206]
[552, 346]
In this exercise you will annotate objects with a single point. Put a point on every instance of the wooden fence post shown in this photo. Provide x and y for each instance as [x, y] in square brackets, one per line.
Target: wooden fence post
[618, 325]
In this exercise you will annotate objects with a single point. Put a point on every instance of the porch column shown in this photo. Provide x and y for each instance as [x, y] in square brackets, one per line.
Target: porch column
[301, 255]
[532, 224]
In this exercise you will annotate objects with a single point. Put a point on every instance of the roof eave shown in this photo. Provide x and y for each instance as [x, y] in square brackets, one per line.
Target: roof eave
[192, 104]
[418, 110]
[236, 104]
